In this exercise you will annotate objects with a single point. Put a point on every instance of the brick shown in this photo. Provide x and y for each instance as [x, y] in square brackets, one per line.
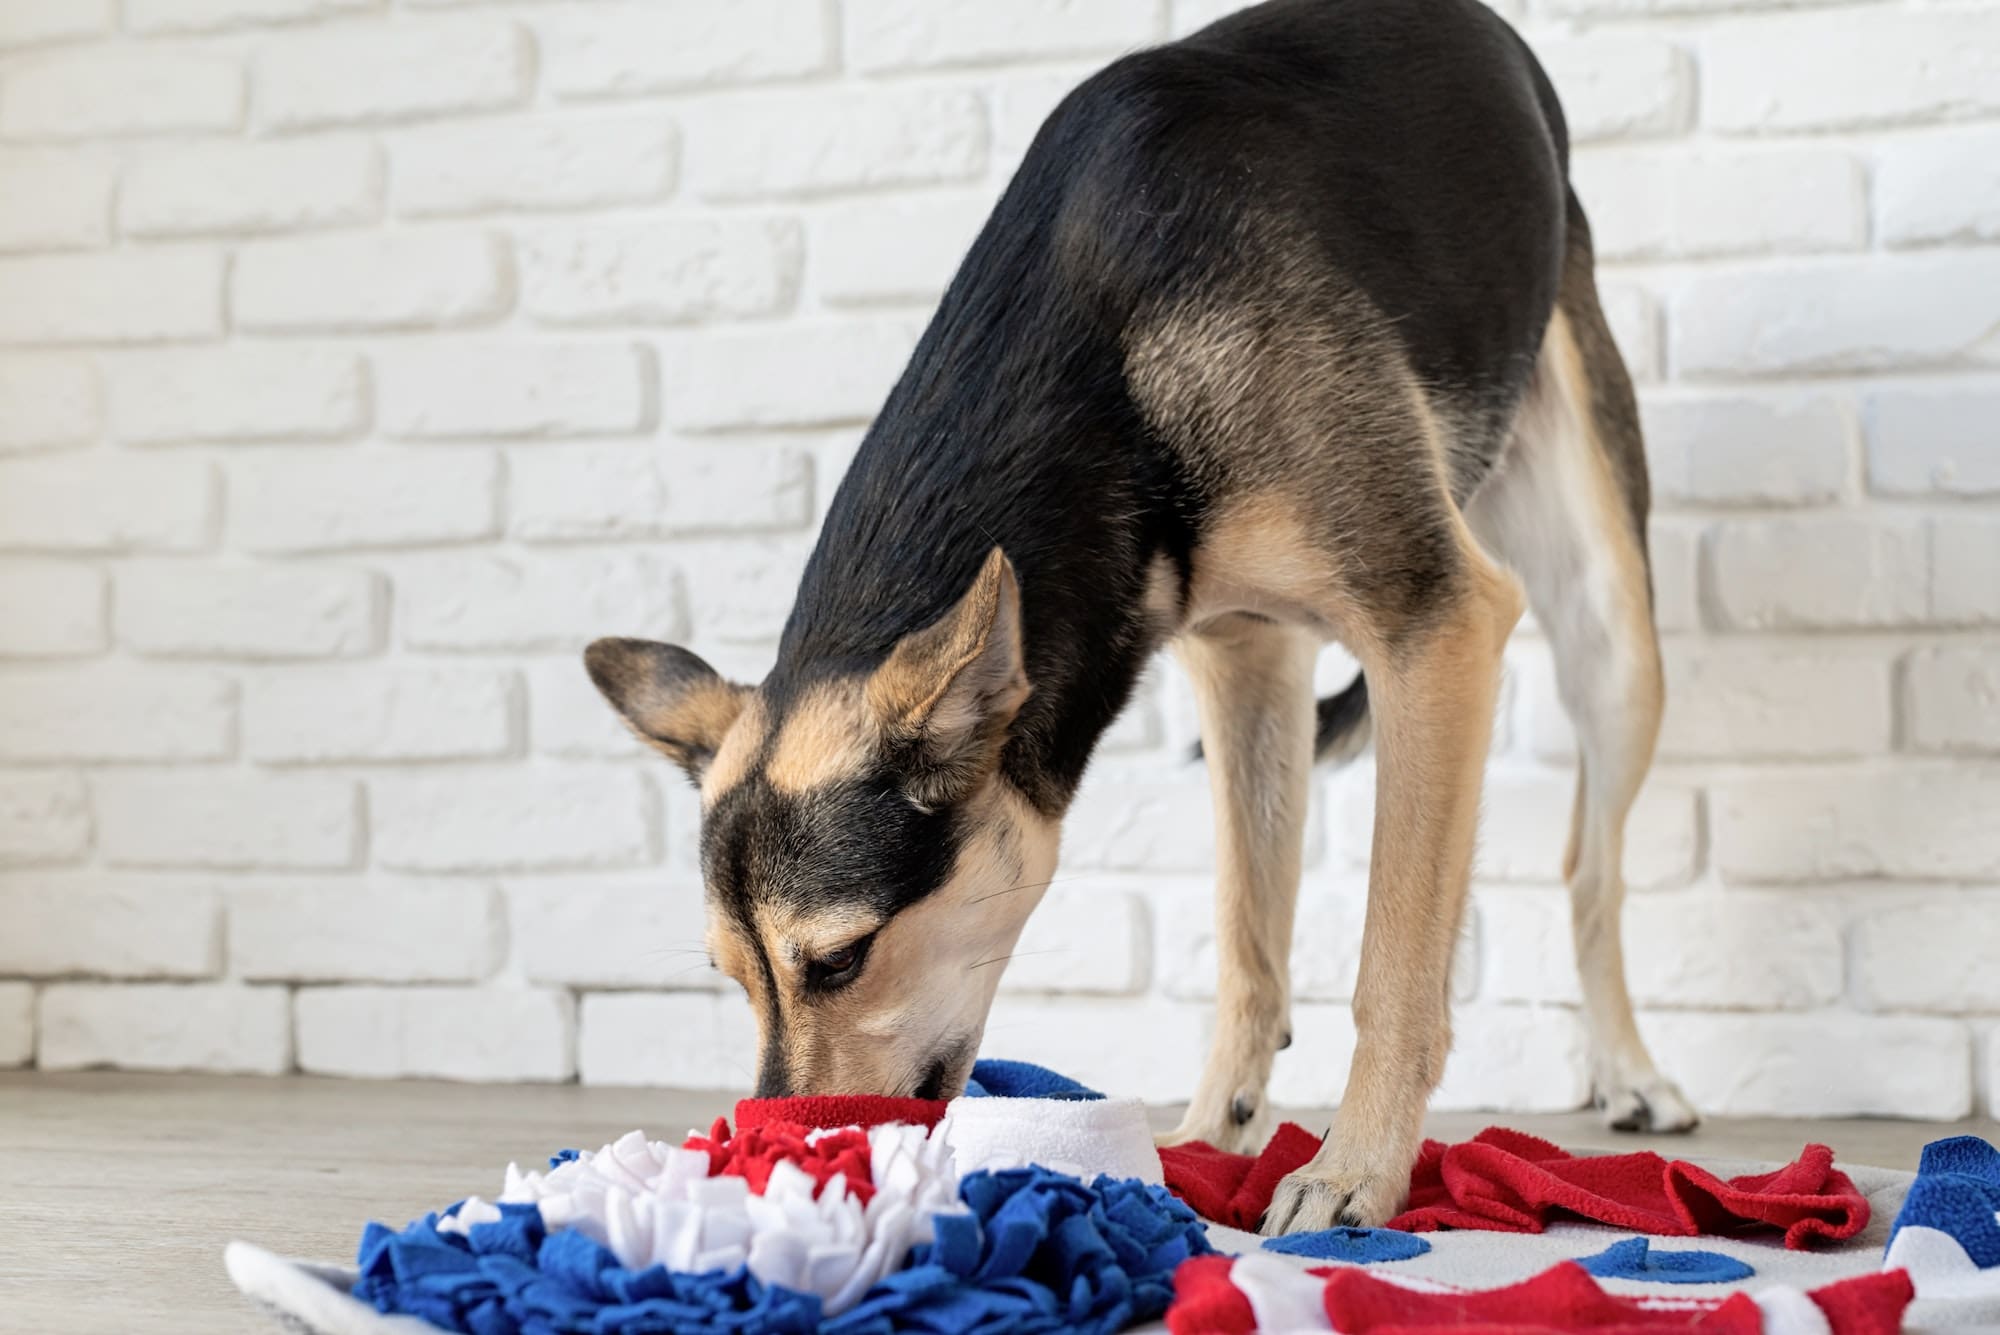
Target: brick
[27, 22]
[251, 187]
[104, 502]
[1934, 955]
[1827, 1064]
[568, 718]
[268, 612]
[166, 1027]
[613, 933]
[125, 296]
[1870, 314]
[1965, 551]
[1121, 823]
[17, 1024]
[745, 590]
[343, 715]
[1838, 571]
[400, 280]
[226, 821]
[1675, 204]
[1869, 68]
[236, 394]
[1951, 700]
[1144, 1048]
[1828, 826]
[533, 819]
[1589, 9]
[1529, 953]
[915, 34]
[1938, 186]
[1728, 701]
[44, 820]
[659, 271]
[1991, 1068]
[51, 610]
[789, 145]
[1721, 449]
[425, 67]
[1673, 550]
[46, 402]
[811, 374]
[1021, 101]
[212, 15]
[892, 250]
[443, 1033]
[686, 1040]
[451, 170]
[378, 932]
[1619, 87]
[551, 604]
[453, 391]
[1080, 939]
[122, 927]
[585, 492]
[329, 499]
[1634, 319]
[1716, 951]
[120, 91]
[1935, 440]
[116, 713]
[1188, 15]
[54, 201]
[666, 45]
[1514, 1059]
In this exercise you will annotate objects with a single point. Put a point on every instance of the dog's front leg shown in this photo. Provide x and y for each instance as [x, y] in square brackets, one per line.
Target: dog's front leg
[1433, 699]
[1253, 683]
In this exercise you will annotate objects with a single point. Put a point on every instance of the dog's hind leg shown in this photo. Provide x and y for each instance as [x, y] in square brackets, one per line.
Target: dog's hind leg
[1253, 684]
[1568, 511]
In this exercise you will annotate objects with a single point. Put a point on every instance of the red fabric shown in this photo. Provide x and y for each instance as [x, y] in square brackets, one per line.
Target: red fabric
[1867, 1304]
[1205, 1302]
[1507, 1181]
[1235, 1189]
[1561, 1298]
[822, 1110]
[753, 1151]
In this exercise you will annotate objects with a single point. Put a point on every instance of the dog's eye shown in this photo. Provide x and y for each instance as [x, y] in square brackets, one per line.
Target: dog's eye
[837, 967]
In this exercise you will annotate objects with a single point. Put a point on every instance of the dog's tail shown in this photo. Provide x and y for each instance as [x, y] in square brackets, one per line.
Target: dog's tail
[1343, 726]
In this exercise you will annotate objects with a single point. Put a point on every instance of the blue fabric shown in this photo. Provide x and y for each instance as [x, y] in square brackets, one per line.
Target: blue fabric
[1039, 1252]
[1957, 1191]
[995, 1078]
[561, 1157]
[1357, 1246]
[1635, 1259]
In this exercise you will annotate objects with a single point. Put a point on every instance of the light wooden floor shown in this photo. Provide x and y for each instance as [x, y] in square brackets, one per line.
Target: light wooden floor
[120, 1190]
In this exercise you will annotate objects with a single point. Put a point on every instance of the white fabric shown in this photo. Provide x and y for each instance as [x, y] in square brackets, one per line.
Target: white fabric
[1081, 1137]
[651, 1203]
[1284, 1300]
[1951, 1289]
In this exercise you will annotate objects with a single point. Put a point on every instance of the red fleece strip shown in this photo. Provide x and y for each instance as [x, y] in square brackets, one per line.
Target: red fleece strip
[863, 1110]
[1205, 1302]
[753, 1151]
[1504, 1181]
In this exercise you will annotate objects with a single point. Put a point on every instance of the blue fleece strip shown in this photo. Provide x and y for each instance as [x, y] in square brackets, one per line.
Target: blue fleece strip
[1957, 1191]
[1635, 1258]
[1356, 1246]
[1001, 1079]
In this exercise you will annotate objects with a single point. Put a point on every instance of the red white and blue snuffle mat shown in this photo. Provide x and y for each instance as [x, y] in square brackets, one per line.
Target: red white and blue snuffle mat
[1032, 1205]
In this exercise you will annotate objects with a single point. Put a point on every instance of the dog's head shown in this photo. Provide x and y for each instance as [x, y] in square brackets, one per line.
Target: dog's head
[868, 869]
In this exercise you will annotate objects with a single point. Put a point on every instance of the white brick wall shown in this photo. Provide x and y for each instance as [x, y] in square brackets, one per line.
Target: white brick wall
[362, 359]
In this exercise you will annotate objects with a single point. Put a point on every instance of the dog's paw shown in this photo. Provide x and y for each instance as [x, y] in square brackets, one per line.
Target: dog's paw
[1312, 1198]
[1654, 1105]
[1243, 1128]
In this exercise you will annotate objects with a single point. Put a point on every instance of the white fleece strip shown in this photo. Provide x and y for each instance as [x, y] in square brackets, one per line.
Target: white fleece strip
[1284, 1300]
[1081, 1137]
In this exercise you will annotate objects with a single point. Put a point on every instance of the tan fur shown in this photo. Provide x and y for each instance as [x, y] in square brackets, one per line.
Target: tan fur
[741, 743]
[828, 735]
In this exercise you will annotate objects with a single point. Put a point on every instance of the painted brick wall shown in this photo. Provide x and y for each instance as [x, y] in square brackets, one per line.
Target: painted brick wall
[359, 361]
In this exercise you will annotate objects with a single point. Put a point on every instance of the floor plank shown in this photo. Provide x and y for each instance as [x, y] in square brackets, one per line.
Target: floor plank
[123, 1188]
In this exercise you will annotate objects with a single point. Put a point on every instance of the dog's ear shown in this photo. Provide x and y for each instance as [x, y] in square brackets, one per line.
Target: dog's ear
[672, 699]
[947, 693]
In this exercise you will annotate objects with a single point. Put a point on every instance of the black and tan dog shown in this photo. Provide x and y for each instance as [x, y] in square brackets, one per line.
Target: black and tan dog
[1283, 333]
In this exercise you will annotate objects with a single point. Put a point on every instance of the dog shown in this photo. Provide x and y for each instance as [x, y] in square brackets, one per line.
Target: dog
[1283, 333]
